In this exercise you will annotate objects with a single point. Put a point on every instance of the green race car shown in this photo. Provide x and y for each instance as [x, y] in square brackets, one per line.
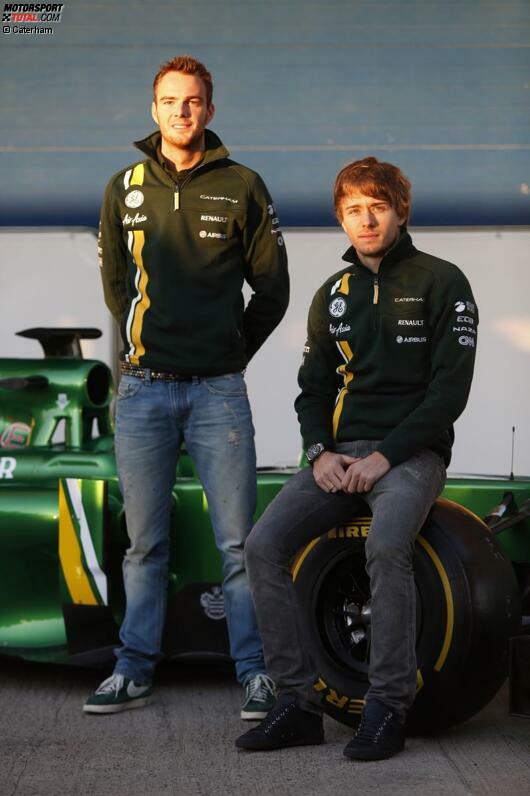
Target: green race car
[63, 535]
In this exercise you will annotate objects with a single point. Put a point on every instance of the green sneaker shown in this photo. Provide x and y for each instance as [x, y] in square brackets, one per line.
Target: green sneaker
[260, 697]
[117, 693]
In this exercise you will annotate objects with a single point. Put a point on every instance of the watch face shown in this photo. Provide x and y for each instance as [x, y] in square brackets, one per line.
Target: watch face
[314, 451]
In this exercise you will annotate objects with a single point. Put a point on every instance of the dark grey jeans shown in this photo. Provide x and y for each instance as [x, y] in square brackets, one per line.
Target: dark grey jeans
[400, 502]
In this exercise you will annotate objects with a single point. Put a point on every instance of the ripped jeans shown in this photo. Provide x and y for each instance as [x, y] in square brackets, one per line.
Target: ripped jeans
[212, 416]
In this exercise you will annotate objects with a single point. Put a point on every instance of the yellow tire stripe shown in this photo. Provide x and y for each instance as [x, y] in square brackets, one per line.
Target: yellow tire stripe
[74, 573]
[302, 556]
[144, 303]
[450, 608]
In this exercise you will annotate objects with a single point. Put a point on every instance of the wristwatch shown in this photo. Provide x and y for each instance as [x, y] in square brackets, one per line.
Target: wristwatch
[314, 451]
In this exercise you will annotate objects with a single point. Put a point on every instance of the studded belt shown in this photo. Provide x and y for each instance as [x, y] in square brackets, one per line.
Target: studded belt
[147, 373]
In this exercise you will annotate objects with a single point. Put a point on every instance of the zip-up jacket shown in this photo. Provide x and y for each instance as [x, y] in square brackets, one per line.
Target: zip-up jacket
[389, 356]
[174, 257]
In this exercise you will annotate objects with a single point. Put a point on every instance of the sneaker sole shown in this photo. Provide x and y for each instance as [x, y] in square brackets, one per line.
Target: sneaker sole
[305, 742]
[135, 703]
[254, 715]
[366, 757]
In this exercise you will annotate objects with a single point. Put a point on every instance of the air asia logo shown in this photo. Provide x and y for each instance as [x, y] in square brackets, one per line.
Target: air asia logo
[134, 199]
[16, 435]
[337, 308]
[127, 219]
[340, 329]
[213, 603]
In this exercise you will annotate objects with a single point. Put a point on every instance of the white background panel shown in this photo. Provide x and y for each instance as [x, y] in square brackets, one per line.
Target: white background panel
[51, 278]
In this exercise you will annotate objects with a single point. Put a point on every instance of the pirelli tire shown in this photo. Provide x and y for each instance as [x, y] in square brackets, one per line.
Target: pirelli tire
[467, 607]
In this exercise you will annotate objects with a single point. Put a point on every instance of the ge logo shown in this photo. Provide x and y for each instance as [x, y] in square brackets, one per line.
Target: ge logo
[134, 199]
[337, 308]
[399, 339]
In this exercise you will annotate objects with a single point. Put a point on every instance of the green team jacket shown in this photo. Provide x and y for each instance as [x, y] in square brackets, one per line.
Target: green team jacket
[173, 262]
[389, 356]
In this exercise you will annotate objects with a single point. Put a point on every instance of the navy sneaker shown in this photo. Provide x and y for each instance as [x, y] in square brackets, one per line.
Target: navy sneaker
[380, 734]
[285, 725]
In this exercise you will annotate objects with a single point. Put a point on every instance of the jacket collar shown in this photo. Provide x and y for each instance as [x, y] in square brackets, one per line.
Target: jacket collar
[214, 147]
[401, 250]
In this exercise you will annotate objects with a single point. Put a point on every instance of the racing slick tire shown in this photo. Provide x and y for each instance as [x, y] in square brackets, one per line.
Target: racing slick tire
[467, 607]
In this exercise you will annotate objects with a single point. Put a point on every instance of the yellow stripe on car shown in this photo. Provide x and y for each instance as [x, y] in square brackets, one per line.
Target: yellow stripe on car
[74, 573]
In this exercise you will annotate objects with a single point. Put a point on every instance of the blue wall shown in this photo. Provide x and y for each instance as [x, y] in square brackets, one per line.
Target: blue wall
[439, 87]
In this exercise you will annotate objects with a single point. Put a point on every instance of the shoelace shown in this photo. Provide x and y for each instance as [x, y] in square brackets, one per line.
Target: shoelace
[368, 731]
[260, 688]
[112, 683]
[275, 716]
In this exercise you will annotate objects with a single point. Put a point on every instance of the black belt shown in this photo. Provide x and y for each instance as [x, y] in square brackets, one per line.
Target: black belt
[147, 373]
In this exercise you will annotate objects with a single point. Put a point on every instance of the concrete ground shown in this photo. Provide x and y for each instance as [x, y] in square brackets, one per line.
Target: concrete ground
[183, 745]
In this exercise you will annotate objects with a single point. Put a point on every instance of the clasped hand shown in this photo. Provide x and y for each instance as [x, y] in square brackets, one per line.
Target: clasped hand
[336, 472]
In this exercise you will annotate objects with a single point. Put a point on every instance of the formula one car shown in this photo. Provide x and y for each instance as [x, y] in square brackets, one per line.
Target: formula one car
[63, 534]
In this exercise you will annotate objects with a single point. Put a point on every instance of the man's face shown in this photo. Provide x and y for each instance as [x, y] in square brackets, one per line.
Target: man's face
[372, 225]
[181, 110]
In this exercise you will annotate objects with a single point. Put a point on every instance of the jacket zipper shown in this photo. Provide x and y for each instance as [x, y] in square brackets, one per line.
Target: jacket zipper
[375, 301]
[376, 290]
[178, 188]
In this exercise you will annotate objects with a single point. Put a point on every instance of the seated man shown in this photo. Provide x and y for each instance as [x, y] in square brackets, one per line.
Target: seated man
[386, 371]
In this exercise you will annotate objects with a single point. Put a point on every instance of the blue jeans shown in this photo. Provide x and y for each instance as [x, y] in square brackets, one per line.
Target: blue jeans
[212, 416]
[400, 502]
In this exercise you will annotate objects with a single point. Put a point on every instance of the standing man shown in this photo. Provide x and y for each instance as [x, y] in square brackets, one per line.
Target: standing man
[180, 232]
[387, 370]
